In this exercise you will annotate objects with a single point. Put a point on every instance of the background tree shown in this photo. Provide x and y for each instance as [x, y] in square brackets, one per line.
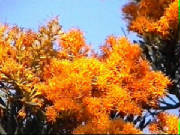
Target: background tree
[156, 23]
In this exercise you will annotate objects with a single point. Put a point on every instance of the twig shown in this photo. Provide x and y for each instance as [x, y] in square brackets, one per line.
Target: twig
[169, 107]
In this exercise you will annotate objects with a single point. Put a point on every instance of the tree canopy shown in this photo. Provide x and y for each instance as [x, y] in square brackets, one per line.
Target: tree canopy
[52, 82]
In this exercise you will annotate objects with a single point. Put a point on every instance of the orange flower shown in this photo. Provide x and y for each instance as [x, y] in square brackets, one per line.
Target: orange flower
[78, 87]
[73, 43]
[128, 128]
[153, 16]
[37, 101]
[51, 114]
[166, 123]
[130, 8]
[28, 38]
[22, 114]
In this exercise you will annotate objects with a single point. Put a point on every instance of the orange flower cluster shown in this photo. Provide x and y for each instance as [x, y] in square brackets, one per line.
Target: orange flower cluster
[153, 16]
[166, 123]
[90, 88]
[111, 127]
[73, 43]
[66, 83]
[51, 114]
[22, 114]
[133, 73]
[23, 54]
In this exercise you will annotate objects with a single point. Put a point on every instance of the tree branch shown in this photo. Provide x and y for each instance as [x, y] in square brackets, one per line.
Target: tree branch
[169, 107]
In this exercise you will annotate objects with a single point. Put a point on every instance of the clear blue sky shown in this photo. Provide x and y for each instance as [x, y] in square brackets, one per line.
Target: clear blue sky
[96, 18]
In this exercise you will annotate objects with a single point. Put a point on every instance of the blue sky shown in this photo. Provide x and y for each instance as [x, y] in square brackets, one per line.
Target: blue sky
[96, 18]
